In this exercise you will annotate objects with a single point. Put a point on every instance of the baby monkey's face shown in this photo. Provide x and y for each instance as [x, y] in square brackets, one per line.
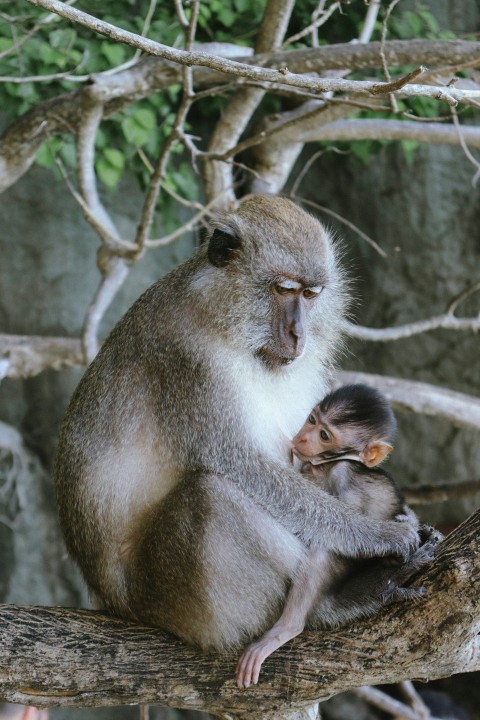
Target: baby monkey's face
[315, 436]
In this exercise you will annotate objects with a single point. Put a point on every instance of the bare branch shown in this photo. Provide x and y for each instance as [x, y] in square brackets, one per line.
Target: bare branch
[344, 221]
[52, 17]
[23, 356]
[92, 115]
[446, 322]
[166, 239]
[275, 158]
[114, 273]
[369, 22]
[378, 129]
[286, 135]
[159, 174]
[388, 704]
[418, 397]
[25, 136]
[182, 18]
[410, 693]
[393, 85]
[468, 154]
[441, 492]
[317, 22]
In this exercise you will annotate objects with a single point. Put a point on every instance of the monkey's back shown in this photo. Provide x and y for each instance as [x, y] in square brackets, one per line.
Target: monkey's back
[371, 491]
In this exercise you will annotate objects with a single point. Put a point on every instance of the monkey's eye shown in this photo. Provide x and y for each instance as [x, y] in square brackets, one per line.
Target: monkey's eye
[311, 419]
[324, 435]
[284, 289]
[311, 293]
[286, 286]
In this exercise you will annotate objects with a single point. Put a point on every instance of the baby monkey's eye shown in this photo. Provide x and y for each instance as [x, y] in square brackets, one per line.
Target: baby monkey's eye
[324, 435]
[311, 419]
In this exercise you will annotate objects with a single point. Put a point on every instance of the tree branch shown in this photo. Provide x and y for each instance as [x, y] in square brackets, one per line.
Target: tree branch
[26, 356]
[273, 159]
[26, 135]
[23, 356]
[234, 119]
[78, 658]
[321, 85]
[378, 129]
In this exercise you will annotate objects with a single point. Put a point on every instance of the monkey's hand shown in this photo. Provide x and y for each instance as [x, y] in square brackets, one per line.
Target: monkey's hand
[390, 538]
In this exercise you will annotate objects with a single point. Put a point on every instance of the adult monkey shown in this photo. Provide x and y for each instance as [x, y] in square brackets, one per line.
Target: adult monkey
[176, 494]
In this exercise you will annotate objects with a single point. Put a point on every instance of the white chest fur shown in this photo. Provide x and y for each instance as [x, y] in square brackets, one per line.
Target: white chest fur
[276, 404]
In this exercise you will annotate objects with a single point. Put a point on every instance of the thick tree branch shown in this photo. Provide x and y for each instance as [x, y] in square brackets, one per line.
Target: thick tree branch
[273, 159]
[450, 95]
[25, 136]
[57, 657]
[23, 356]
[377, 129]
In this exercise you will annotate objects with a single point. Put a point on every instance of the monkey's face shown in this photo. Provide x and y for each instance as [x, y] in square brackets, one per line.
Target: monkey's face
[284, 286]
[315, 437]
[291, 303]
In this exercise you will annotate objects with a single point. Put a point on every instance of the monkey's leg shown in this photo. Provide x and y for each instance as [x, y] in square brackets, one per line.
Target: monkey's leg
[210, 566]
[313, 577]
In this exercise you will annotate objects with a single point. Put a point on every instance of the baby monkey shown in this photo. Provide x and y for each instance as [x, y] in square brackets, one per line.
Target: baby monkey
[343, 440]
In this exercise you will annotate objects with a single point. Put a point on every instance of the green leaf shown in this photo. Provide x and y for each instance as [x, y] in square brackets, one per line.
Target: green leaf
[362, 149]
[5, 43]
[44, 157]
[50, 56]
[115, 158]
[62, 38]
[145, 118]
[133, 132]
[109, 174]
[227, 17]
[115, 54]
[241, 5]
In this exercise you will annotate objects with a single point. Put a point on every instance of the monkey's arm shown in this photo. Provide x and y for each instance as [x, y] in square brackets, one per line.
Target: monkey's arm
[321, 520]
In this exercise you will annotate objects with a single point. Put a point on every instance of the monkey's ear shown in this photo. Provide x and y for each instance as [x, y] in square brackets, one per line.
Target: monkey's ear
[375, 452]
[223, 246]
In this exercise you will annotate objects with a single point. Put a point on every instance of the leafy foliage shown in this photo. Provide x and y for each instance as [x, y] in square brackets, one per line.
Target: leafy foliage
[34, 44]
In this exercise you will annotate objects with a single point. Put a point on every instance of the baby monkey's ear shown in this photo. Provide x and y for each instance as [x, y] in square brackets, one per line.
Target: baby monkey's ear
[375, 452]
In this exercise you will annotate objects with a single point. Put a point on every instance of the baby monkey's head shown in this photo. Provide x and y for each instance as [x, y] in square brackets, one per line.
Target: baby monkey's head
[353, 419]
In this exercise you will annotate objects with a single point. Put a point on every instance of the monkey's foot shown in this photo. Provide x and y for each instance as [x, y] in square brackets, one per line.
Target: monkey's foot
[429, 534]
[422, 557]
[249, 665]
[398, 594]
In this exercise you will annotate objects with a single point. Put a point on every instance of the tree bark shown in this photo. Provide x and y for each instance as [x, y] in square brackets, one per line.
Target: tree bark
[58, 657]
